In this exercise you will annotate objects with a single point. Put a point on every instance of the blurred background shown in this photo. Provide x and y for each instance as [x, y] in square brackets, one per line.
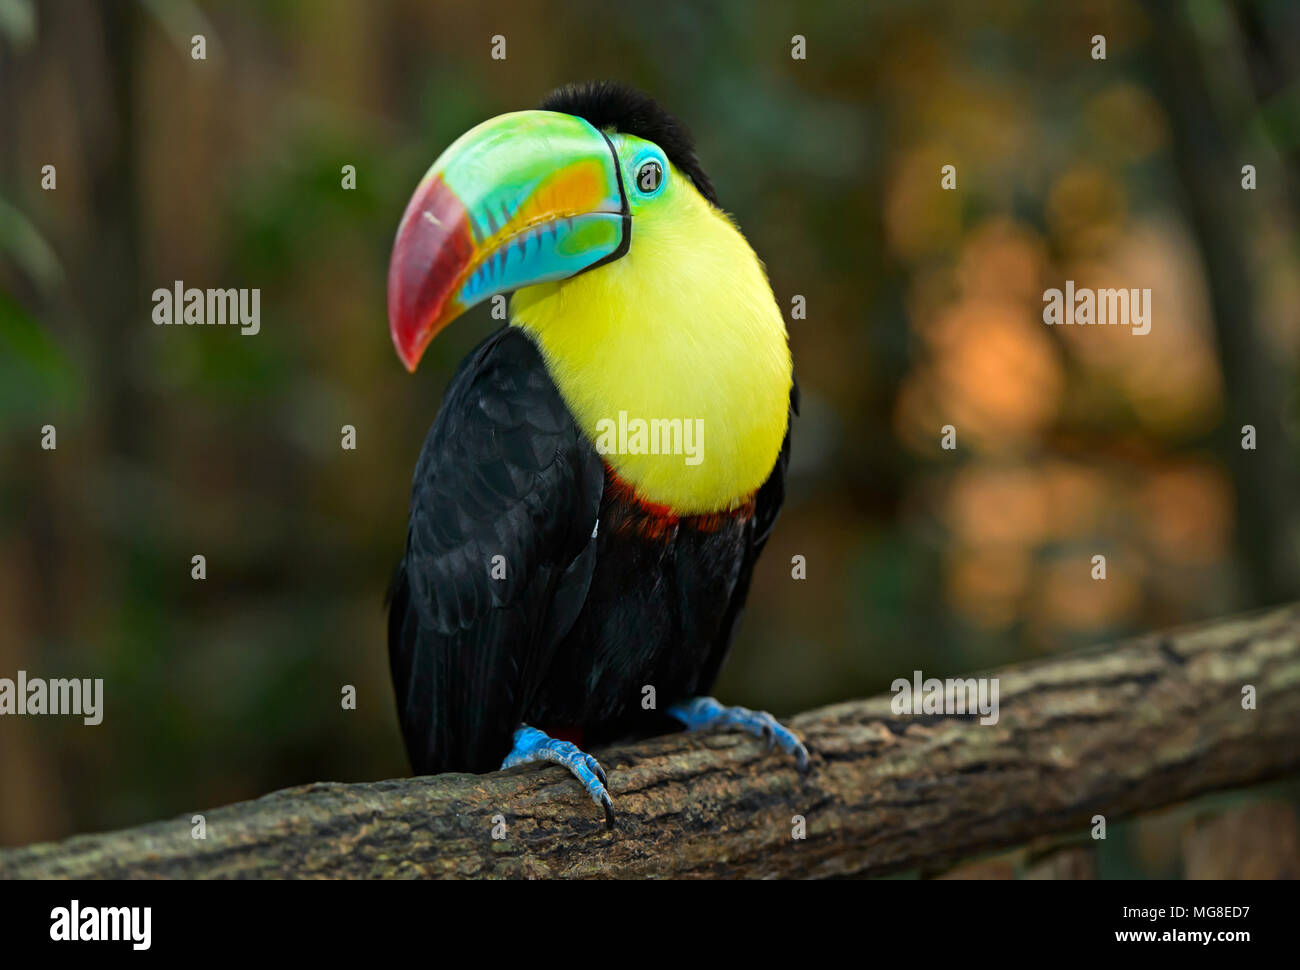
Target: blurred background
[923, 309]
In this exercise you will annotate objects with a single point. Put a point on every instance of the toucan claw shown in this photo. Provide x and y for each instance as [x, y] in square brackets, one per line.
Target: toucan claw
[532, 745]
[705, 712]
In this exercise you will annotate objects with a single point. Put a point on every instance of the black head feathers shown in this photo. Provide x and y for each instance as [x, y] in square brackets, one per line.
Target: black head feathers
[610, 105]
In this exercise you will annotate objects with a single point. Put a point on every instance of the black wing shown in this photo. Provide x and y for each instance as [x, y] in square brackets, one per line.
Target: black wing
[767, 506]
[505, 472]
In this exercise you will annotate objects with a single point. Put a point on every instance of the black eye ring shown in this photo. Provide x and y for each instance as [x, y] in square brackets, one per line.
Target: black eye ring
[649, 176]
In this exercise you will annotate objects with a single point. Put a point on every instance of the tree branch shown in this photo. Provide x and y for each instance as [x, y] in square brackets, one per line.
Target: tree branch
[1113, 732]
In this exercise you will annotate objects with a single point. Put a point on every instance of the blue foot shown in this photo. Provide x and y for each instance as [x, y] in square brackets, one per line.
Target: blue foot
[705, 712]
[534, 745]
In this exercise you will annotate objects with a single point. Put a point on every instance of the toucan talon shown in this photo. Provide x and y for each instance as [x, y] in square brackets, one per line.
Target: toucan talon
[534, 745]
[801, 760]
[705, 712]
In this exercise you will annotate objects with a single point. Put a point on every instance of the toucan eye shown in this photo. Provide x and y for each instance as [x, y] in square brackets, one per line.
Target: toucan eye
[649, 176]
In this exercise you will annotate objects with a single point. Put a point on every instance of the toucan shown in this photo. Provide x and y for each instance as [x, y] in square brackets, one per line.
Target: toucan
[605, 468]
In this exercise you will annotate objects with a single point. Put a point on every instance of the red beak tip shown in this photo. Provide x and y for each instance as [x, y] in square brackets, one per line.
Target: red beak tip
[408, 354]
[433, 246]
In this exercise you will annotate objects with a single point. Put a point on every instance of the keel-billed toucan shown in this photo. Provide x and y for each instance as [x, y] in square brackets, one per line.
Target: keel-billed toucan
[568, 581]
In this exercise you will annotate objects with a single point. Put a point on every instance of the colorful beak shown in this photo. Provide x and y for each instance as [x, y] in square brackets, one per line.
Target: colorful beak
[523, 198]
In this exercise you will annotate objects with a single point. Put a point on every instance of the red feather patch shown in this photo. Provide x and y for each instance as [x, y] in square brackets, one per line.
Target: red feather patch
[652, 520]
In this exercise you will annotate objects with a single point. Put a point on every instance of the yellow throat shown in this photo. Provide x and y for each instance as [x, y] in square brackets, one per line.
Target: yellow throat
[684, 331]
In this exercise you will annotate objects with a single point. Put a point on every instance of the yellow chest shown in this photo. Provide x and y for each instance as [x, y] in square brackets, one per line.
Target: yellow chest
[674, 361]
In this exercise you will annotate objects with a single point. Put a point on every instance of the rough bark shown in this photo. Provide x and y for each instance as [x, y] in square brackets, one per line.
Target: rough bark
[1113, 732]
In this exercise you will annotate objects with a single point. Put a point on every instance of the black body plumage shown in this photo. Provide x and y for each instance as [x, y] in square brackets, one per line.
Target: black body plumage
[600, 596]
